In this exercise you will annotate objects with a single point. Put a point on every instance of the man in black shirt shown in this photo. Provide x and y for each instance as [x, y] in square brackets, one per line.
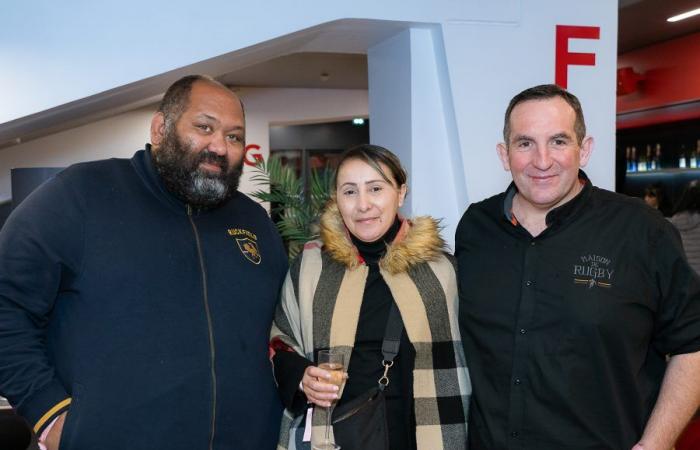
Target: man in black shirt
[571, 299]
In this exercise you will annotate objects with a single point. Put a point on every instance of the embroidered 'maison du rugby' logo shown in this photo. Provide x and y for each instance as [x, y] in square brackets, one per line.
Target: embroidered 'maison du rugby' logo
[593, 270]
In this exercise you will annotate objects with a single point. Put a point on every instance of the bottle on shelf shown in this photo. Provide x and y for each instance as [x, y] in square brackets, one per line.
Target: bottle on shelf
[633, 160]
[656, 162]
[643, 160]
[681, 159]
[693, 163]
[628, 161]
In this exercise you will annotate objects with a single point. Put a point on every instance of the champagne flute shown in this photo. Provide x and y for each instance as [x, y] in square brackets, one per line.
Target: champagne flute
[332, 361]
[325, 446]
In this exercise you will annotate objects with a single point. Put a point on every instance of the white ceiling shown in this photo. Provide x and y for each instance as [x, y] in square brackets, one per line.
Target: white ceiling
[297, 60]
[328, 56]
[304, 70]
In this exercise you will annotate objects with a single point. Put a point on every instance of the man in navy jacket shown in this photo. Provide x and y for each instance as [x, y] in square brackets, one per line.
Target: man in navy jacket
[136, 296]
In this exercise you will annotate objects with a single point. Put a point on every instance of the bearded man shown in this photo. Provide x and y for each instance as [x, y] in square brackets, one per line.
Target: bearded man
[136, 296]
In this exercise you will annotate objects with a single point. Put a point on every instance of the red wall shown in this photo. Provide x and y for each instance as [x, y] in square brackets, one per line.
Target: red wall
[670, 86]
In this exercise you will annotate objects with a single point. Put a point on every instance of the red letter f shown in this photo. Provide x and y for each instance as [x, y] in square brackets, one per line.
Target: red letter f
[564, 59]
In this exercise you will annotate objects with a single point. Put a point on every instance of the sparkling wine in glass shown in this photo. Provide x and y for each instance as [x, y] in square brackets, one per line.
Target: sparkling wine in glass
[334, 362]
[325, 446]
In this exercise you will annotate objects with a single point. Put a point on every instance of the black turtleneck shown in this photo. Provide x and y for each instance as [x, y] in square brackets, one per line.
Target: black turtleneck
[366, 360]
[372, 252]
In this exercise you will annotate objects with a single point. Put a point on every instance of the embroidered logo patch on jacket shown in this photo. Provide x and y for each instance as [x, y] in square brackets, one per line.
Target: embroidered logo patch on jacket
[247, 244]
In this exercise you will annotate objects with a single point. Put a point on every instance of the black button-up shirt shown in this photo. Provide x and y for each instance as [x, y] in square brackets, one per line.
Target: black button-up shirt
[566, 334]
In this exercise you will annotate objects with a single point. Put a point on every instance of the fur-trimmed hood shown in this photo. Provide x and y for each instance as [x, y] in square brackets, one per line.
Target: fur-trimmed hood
[417, 241]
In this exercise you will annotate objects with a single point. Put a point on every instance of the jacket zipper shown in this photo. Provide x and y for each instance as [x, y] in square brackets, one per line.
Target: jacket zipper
[212, 349]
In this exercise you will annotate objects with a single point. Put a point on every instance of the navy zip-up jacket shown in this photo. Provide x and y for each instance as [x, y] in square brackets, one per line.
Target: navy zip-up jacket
[148, 321]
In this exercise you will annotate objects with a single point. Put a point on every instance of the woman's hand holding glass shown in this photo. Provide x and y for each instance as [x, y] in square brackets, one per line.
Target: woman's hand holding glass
[322, 387]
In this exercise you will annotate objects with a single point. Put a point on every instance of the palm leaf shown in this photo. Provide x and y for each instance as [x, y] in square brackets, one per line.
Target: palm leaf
[296, 212]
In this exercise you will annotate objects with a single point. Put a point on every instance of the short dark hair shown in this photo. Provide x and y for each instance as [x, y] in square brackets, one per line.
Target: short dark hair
[546, 92]
[177, 97]
[374, 155]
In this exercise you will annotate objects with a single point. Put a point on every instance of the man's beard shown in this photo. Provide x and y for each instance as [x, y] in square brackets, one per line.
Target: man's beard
[178, 165]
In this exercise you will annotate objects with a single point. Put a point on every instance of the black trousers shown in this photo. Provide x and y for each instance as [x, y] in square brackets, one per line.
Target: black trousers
[15, 433]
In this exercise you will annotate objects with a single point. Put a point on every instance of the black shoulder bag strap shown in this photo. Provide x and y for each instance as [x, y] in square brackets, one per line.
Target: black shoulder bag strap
[361, 422]
[391, 343]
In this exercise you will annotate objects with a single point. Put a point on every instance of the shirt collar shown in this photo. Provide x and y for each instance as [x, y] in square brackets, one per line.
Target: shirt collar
[558, 214]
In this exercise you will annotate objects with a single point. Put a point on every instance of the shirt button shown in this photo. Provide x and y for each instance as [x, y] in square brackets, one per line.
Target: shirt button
[514, 434]
[523, 331]
[517, 382]
[528, 283]
[532, 243]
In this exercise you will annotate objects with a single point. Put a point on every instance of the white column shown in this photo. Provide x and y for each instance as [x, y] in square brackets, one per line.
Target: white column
[412, 113]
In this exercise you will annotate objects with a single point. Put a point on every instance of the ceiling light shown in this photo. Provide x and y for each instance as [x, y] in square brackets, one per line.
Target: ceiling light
[358, 121]
[685, 15]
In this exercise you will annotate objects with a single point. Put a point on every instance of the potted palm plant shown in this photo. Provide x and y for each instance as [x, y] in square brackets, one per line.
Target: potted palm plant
[294, 207]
